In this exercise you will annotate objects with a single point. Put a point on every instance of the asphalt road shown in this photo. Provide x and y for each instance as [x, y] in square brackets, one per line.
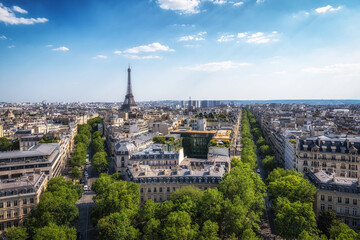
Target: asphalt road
[85, 203]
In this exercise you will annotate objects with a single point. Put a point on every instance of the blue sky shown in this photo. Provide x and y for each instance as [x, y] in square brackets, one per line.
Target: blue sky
[207, 49]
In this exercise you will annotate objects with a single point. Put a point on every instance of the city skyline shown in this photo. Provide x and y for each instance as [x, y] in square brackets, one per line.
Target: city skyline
[214, 49]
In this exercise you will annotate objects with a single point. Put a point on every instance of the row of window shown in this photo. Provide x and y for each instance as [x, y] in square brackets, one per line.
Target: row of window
[16, 202]
[8, 225]
[339, 199]
[333, 157]
[141, 157]
[11, 214]
[354, 222]
[156, 198]
[161, 189]
[160, 162]
[333, 165]
[155, 189]
[339, 209]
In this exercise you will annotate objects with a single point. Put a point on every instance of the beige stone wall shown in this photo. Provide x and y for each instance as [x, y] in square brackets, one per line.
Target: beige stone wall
[346, 205]
[160, 192]
[344, 165]
[14, 209]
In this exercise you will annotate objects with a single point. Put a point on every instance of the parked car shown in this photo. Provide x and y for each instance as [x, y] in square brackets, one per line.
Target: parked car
[85, 187]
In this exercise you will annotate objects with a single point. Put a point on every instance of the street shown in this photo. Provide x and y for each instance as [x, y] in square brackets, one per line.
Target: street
[267, 225]
[85, 203]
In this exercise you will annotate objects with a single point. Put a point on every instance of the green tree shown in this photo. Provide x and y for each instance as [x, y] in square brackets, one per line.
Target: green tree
[54, 232]
[249, 234]
[78, 157]
[164, 209]
[5, 144]
[99, 161]
[159, 139]
[265, 150]
[261, 141]
[148, 211]
[269, 163]
[152, 230]
[209, 231]
[235, 162]
[98, 145]
[193, 192]
[101, 184]
[325, 220]
[84, 129]
[257, 133]
[118, 196]
[96, 134]
[76, 173]
[293, 187]
[244, 202]
[279, 173]
[304, 235]
[81, 138]
[178, 227]
[93, 123]
[342, 232]
[16, 233]
[211, 205]
[293, 218]
[57, 205]
[117, 226]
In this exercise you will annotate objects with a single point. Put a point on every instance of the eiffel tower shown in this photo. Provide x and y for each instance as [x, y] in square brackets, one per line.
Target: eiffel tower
[129, 103]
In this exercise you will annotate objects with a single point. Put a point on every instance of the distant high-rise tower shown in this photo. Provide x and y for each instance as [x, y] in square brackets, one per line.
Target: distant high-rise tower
[129, 103]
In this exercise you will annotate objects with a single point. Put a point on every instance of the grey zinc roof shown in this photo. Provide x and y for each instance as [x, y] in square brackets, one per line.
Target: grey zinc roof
[43, 149]
[323, 177]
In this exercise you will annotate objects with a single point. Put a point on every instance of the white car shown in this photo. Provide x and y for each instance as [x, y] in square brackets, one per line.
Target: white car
[85, 187]
[258, 170]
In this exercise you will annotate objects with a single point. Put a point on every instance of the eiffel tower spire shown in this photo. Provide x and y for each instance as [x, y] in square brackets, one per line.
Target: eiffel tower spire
[129, 102]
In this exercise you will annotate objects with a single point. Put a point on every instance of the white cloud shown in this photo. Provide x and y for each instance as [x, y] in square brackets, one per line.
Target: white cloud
[62, 49]
[49, 45]
[3, 37]
[19, 9]
[258, 37]
[196, 37]
[153, 47]
[226, 38]
[327, 8]
[180, 6]
[219, 2]
[8, 16]
[260, 1]
[137, 57]
[99, 57]
[238, 3]
[11, 46]
[216, 66]
[347, 68]
[241, 35]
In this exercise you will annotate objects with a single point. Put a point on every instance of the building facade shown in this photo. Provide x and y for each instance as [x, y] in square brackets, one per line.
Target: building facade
[339, 194]
[45, 157]
[158, 184]
[338, 155]
[18, 197]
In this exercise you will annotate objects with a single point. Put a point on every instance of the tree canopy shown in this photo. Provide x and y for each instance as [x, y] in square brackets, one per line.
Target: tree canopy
[99, 161]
